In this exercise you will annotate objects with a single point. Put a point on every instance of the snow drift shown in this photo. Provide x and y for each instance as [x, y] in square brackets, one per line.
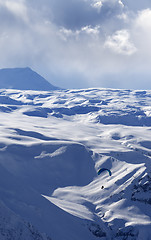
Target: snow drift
[51, 146]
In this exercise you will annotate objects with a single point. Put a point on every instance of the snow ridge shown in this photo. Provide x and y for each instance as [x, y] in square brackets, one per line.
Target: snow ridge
[52, 143]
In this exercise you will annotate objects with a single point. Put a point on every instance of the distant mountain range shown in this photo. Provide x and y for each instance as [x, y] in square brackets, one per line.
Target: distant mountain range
[24, 79]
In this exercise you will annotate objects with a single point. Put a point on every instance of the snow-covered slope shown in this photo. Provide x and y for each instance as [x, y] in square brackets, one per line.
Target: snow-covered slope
[24, 79]
[51, 146]
[13, 227]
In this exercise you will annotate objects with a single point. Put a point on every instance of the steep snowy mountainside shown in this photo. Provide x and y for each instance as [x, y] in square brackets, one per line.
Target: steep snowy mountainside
[24, 79]
[52, 143]
[13, 227]
[24, 179]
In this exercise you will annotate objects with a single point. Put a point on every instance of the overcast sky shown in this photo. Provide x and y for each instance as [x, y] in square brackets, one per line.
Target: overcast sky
[79, 43]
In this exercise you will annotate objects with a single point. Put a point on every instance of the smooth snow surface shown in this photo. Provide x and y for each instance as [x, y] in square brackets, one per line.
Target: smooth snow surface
[51, 146]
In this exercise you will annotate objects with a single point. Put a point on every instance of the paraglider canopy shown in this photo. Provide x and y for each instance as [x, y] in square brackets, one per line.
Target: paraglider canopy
[104, 169]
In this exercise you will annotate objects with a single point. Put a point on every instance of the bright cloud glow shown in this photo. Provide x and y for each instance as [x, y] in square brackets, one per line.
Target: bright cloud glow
[144, 19]
[90, 30]
[121, 3]
[17, 8]
[120, 43]
[97, 4]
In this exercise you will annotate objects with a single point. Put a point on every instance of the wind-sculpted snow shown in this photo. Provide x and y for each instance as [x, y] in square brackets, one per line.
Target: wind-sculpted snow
[131, 108]
[52, 145]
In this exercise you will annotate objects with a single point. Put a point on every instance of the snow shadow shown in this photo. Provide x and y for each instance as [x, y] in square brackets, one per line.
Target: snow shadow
[34, 135]
[146, 144]
[9, 101]
[127, 119]
[38, 112]
[48, 166]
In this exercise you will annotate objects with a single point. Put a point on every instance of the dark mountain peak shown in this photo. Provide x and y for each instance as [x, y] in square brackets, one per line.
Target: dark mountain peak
[24, 79]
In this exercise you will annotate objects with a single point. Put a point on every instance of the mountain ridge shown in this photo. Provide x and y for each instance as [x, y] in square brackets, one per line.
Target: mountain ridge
[24, 79]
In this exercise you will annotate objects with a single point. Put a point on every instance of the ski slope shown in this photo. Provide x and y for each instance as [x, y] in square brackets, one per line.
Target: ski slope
[52, 143]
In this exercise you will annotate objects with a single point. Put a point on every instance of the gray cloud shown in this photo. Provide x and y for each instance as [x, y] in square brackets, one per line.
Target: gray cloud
[74, 14]
[78, 43]
[137, 5]
[78, 13]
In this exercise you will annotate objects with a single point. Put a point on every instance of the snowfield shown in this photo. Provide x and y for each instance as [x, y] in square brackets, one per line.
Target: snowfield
[51, 146]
